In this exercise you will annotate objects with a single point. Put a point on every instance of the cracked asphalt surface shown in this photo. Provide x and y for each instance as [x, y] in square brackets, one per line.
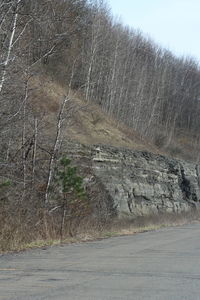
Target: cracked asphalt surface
[163, 264]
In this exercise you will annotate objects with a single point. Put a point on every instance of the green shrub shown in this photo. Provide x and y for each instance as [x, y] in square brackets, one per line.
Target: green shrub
[73, 201]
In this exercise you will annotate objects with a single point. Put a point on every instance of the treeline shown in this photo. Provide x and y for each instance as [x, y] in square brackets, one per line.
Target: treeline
[132, 78]
[79, 44]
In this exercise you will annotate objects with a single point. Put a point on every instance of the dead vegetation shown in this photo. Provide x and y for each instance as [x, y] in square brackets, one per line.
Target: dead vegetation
[21, 230]
[90, 125]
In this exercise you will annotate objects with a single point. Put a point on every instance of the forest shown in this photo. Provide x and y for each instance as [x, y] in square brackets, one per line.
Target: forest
[81, 46]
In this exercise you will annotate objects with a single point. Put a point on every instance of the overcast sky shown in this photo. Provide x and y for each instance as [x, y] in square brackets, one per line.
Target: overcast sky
[173, 24]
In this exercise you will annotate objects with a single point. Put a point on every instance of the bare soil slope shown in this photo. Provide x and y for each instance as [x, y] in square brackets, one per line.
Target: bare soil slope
[87, 123]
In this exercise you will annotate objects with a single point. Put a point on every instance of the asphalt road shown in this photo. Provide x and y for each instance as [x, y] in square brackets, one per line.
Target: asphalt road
[163, 264]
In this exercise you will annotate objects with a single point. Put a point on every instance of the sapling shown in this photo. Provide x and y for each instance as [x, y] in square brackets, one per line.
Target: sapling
[74, 202]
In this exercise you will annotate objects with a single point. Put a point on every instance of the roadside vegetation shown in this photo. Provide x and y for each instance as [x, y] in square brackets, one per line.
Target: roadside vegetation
[19, 234]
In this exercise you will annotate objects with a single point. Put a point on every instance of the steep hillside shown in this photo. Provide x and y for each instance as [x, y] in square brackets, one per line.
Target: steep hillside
[88, 124]
[77, 43]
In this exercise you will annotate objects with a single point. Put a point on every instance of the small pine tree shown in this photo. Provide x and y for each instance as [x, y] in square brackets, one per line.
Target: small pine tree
[74, 201]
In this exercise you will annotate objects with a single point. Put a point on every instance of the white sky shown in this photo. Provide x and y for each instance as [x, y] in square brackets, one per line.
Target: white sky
[173, 24]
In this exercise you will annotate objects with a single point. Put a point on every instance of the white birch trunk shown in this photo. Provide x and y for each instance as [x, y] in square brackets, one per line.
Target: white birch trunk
[34, 150]
[24, 142]
[94, 45]
[58, 138]
[55, 148]
[112, 83]
[3, 78]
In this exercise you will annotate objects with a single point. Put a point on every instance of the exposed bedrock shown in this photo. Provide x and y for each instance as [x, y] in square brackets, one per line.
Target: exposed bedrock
[140, 183]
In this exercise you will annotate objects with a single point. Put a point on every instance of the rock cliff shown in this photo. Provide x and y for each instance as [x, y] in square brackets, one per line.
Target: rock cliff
[139, 183]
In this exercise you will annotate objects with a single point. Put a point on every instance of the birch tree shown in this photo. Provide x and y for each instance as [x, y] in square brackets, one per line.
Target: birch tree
[14, 6]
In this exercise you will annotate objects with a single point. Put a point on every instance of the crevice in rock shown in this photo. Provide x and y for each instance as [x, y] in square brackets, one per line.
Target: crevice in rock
[185, 185]
[197, 168]
[172, 168]
[129, 202]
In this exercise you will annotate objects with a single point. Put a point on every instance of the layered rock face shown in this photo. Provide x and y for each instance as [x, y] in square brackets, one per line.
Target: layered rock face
[140, 183]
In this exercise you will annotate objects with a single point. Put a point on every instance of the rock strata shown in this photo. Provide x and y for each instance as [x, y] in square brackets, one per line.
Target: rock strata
[140, 183]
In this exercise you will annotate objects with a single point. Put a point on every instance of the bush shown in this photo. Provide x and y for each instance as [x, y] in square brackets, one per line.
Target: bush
[73, 202]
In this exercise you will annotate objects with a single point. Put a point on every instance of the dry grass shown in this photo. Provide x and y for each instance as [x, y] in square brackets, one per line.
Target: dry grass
[90, 125]
[22, 232]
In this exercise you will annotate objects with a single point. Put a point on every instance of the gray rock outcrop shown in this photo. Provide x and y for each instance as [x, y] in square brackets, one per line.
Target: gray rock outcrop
[140, 183]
